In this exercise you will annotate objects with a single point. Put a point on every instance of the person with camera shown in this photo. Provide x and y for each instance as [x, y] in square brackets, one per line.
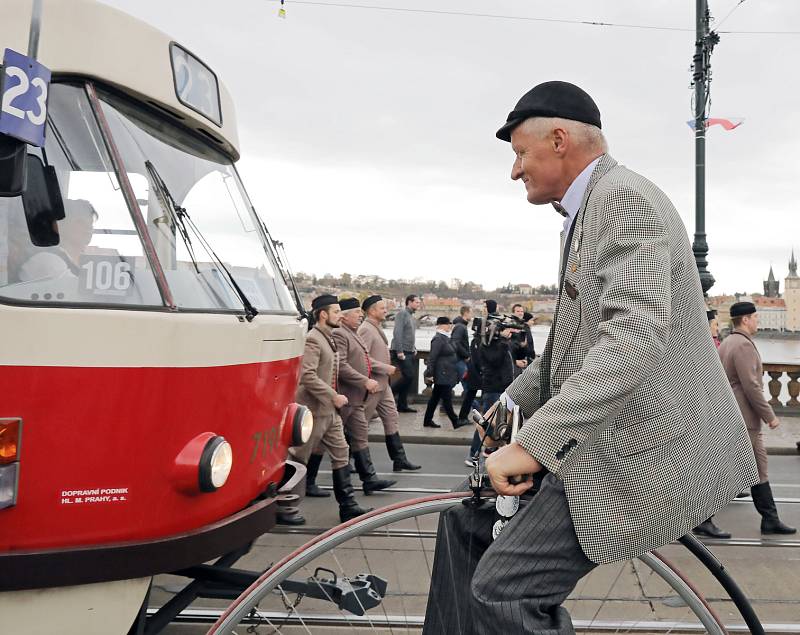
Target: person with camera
[443, 373]
[522, 341]
[496, 364]
[627, 413]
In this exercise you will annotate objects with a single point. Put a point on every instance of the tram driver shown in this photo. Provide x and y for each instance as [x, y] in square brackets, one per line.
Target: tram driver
[629, 416]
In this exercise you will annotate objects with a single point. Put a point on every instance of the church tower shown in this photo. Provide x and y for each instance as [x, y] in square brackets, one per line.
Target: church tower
[791, 288]
[771, 285]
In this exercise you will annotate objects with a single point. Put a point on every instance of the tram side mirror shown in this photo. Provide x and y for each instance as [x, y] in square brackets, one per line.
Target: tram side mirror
[12, 166]
[42, 202]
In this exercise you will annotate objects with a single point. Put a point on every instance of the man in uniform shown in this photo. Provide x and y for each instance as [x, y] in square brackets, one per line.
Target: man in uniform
[629, 414]
[742, 364]
[357, 383]
[371, 332]
[318, 391]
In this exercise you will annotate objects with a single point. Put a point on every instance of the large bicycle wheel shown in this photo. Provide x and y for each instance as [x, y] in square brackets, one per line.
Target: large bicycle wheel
[373, 574]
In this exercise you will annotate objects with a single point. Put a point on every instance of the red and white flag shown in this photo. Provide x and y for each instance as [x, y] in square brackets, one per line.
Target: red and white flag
[727, 124]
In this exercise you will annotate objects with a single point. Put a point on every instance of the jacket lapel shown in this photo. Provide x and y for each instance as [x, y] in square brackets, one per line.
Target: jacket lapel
[568, 310]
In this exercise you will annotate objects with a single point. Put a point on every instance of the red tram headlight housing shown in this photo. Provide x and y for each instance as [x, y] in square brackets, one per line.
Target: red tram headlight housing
[299, 423]
[204, 464]
[10, 442]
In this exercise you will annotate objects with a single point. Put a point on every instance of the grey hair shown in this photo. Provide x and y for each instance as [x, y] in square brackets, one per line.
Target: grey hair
[587, 136]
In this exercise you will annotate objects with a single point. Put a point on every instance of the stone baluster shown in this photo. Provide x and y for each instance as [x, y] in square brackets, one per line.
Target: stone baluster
[775, 388]
[794, 390]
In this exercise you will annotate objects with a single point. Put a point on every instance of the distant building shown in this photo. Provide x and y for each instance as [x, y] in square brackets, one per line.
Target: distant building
[771, 313]
[525, 289]
[771, 285]
[791, 293]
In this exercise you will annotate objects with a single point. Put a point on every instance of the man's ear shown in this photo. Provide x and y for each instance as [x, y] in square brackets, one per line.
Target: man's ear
[560, 140]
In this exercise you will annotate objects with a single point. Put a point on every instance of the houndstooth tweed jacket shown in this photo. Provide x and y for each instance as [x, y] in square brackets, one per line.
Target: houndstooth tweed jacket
[642, 425]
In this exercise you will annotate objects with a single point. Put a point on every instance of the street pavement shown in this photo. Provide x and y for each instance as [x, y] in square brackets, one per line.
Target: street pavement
[769, 575]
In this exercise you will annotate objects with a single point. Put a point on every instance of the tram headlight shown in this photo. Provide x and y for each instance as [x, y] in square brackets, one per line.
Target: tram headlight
[215, 464]
[302, 425]
[10, 437]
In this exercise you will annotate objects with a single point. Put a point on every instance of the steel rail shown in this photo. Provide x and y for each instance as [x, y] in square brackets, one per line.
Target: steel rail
[431, 533]
[209, 616]
[434, 490]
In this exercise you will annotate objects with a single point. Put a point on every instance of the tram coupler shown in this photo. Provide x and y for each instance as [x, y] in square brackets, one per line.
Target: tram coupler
[355, 595]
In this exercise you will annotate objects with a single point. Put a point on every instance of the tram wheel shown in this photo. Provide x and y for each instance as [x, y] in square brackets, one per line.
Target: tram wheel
[285, 611]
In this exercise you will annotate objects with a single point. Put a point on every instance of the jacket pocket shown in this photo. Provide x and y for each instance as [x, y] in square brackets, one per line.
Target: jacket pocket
[649, 433]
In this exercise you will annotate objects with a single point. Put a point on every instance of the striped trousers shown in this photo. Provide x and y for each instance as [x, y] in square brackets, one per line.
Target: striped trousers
[511, 585]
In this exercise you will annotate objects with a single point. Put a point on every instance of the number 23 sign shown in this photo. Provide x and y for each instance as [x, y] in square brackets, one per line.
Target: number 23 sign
[23, 111]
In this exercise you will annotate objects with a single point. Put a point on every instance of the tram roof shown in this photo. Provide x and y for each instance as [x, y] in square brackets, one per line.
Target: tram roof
[89, 39]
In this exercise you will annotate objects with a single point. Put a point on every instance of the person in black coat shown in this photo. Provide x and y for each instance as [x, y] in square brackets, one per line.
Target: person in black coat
[460, 339]
[442, 368]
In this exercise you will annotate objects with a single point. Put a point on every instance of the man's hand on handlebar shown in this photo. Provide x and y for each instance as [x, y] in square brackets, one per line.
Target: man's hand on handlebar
[508, 464]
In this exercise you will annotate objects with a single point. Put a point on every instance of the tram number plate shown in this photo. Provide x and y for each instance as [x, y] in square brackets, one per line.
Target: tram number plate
[24, 86]
[105, 276]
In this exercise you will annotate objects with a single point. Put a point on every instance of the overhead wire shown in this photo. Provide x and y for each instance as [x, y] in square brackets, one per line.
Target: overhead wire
[495, 16]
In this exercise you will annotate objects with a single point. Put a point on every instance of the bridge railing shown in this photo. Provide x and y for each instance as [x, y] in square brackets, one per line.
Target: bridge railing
[784, 387]
[781, 380]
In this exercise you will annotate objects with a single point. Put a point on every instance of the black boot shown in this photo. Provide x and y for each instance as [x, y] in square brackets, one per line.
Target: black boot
[708, 528]
[312, 489]
[366, 472]
[343, 490]
[765, 505]
[398, 454]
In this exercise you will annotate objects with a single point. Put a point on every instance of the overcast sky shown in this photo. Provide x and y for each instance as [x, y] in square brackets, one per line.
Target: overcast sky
[367, 136]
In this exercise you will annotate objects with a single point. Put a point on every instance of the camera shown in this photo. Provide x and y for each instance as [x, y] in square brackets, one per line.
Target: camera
[488, 330]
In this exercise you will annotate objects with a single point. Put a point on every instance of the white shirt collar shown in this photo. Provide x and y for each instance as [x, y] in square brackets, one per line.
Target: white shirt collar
[574, 195]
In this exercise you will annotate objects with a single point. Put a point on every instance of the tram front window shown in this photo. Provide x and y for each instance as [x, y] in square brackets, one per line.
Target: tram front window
[99, 258]
[197, 213]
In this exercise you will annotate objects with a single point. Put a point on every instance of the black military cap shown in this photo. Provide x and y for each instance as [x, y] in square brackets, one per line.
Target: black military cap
[443, 320]
[321, 301]
[552, 99]
[742, 308]
[373, 299]
[711, 314]
[348, 303]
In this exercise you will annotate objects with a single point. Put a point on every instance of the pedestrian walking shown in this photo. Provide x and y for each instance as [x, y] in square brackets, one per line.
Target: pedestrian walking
[318, 391]
[628, 413]
[442, 370]
[357, 383]
[460, 338]
[371, 332]
[404, 350]
[742, 364]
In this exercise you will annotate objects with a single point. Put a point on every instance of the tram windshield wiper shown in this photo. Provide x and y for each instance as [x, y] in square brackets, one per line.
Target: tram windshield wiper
[181, 220]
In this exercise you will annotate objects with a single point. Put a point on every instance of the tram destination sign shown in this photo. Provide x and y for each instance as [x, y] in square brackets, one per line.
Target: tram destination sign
[24, 86]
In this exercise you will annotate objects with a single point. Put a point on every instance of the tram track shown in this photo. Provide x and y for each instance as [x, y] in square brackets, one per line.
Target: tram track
[431, 534]
[353, 622]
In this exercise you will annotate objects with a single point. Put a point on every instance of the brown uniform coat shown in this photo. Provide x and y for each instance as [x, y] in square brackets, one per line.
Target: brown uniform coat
[378, 346]
[316, 390]
[354, 371]
[742, 365]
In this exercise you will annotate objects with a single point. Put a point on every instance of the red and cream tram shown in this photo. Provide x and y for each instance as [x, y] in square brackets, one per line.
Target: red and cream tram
[149, 345]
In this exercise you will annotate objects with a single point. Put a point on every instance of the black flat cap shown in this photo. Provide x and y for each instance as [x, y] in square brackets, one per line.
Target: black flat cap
[742, 308]
[321, 301]
[346, 304]
[552, 99]
[442, 320]
[373, 299]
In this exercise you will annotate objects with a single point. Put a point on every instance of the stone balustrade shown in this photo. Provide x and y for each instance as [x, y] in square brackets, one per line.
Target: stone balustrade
[778, 390]
[782, 381]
